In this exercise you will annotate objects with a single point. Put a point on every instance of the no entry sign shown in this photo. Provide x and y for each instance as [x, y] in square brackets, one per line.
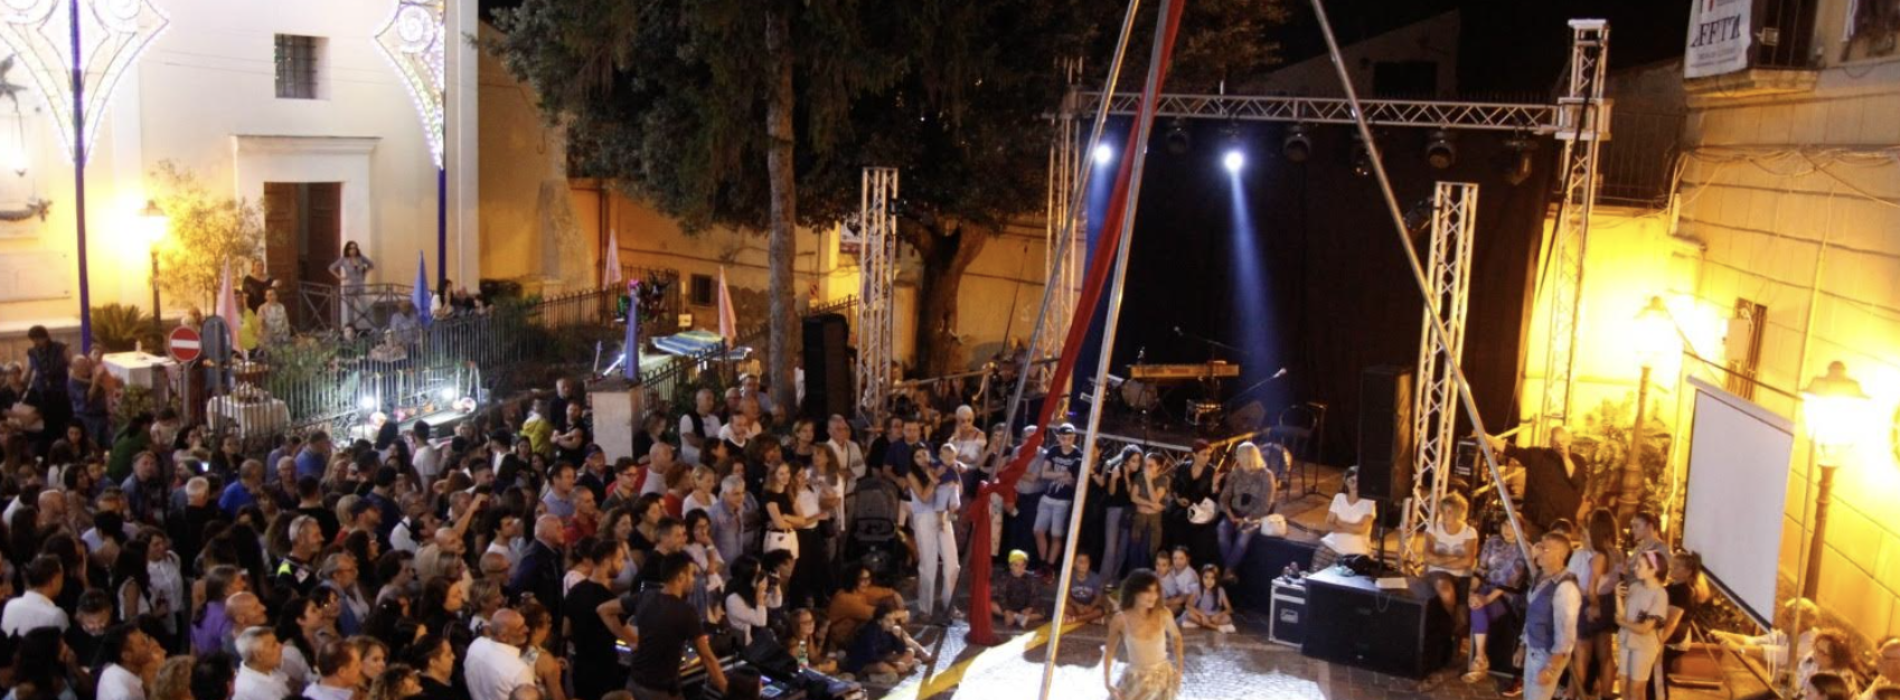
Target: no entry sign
[184, 344]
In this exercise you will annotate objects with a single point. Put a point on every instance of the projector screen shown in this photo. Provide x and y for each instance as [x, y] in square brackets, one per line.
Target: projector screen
[1738, 490]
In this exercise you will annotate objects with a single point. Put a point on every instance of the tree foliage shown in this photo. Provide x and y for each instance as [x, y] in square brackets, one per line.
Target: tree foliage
[204, 231]
[666, 98]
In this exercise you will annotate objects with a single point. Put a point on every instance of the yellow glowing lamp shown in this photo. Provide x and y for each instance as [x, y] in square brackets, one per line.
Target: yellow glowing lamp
[154, 223]
[1656, 337]
[1836, 408]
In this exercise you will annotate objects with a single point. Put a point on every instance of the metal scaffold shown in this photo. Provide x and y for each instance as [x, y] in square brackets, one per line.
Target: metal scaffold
[877, 222]
[1583, 124]
[1064, 262]
[1434, 404]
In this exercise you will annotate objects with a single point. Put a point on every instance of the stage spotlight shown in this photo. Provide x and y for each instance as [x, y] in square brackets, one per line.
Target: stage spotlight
[1178, 139]
[367, 403]
[1297, 146]
[1234, 161]
[1440, 149]
[1104, 154]
[1518, 161]
[448, 394]
[1361, 157]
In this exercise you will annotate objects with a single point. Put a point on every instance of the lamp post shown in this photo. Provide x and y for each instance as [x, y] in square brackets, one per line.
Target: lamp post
[156, 225]
[1835, 406]
[1656, 340]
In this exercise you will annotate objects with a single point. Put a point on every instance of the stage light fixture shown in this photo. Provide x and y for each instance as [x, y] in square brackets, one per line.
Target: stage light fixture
[1178, 139]
[1234, 161]
[1441, 150]
[367, 403]
[1518, 161]
[1361, 157]
[1104, 154]
[1298, 145]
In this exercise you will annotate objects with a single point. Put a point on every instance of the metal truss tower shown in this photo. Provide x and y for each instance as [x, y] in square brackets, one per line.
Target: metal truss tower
[1064, 261]
[877, 291]
[1434, 403]
[1584, 123]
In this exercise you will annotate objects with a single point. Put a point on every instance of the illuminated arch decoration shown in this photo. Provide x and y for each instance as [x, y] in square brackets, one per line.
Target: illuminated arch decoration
[110, 36]
[414, 40]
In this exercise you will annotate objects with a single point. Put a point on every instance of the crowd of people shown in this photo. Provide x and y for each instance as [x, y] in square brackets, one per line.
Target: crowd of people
[511, 557]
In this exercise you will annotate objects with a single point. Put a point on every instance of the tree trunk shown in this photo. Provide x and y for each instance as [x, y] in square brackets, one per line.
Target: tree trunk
[782, 247]
[945, 256]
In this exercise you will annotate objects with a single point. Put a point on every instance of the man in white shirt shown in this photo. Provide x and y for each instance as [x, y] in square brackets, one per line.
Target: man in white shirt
[45, 577]
[699, 426]
[258, 677]
[850, 456]
[427, 460]
[494, 667]
[1550, 623]
[659, 464]
[133, 656]
[341, 669]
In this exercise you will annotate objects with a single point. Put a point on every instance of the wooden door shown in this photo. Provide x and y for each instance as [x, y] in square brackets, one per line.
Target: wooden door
[282, 243]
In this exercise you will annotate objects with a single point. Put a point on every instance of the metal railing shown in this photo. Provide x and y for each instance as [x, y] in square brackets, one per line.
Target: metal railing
[1784, 34]
[1638, 162]
[327, 381]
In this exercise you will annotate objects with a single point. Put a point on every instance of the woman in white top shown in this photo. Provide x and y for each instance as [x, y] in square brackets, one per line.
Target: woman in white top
[1348, 523]
[828, 478]
[1595, 565]
[748, 604]
[934, 501]
[968, 438]
[1147, 630]
[1452, 544]
[1640, 610]
[276, 319]
[702, 496]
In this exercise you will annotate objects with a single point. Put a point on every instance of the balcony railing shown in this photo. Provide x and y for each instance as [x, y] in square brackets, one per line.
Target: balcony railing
[1783, 34]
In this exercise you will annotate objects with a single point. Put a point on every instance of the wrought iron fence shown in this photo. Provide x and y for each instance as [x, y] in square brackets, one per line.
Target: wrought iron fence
[1638, 161]
[1784, 34]
[328, 381]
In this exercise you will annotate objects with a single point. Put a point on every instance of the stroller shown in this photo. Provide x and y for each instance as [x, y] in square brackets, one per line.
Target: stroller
[874, 537]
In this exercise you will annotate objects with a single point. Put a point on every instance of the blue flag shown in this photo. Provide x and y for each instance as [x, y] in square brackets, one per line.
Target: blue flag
[420, 297]
[630, 366]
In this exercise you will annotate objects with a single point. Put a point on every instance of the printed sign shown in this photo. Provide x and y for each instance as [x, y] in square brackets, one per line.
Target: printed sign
[1719, 36]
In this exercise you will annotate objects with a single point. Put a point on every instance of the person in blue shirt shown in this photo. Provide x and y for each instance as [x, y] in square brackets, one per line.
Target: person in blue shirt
[314, 459]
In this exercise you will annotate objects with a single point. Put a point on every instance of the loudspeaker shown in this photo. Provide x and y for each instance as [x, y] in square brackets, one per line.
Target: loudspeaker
[1385, 434]
[1349, 620]
[829, 386]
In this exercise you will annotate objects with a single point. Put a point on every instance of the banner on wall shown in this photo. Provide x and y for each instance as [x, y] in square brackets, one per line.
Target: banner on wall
[1719, 36]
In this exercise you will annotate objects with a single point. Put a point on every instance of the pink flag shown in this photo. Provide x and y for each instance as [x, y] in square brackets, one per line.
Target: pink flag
[228, 307]
[612, 276]
[728, 322]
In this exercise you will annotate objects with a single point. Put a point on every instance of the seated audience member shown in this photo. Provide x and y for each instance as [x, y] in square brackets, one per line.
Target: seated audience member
[879, 652]
[1209, 609]
[1178, 580]
[1086, 602]
[1886, 670]
[1015, 593]
[854, 605]
[1500, 582]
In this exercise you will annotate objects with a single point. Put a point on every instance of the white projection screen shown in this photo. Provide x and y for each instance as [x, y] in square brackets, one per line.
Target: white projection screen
[1738, 489]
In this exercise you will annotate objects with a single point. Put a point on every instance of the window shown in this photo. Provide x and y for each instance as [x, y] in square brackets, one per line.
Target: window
[297, 66]
[702, 290]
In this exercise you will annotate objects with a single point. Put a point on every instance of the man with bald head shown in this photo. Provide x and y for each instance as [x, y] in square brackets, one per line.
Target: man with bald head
[242, 611]
[494, 668]
[539, 573]
[52, 506]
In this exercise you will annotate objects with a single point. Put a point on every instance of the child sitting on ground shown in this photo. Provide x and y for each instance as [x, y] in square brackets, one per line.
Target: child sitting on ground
[1210, 608]
[1014, 595]
[880, 653]
[1178, 582]
[1085, 594]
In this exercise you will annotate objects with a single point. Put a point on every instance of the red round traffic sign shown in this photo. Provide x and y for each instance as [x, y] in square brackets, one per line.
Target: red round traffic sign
[184, 344]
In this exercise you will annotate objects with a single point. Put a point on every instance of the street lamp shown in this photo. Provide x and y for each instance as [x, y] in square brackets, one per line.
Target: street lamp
[1835, 406]
[1657, 340]
[155, 225]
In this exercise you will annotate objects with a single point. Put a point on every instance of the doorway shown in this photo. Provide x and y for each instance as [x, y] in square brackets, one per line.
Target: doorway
[303, 225]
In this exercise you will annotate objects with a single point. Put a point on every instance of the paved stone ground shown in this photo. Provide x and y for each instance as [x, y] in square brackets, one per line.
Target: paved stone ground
[1241, 666]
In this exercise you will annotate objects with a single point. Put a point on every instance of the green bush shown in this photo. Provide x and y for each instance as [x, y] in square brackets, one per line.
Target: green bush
[121, 327]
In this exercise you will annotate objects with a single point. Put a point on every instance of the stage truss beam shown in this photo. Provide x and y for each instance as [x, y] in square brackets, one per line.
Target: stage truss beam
[1434, 403]
[1493, 116]
[1585, 121]
[1064, 262]
[877, 288]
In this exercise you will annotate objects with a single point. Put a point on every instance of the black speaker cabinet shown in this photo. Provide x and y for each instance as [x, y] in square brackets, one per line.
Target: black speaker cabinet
[1350, 620]
[1385, 434]
[830, 388]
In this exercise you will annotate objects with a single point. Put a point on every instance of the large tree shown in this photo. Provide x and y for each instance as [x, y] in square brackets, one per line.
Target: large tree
[681, 103]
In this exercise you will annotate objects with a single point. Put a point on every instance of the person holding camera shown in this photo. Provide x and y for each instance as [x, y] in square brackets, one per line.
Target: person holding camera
[1641, 608]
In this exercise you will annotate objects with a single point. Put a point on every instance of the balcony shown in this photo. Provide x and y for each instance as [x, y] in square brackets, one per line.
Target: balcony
[1783, 57]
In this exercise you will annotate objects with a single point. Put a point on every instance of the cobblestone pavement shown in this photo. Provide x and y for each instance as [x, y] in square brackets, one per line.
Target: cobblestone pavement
[1219, 667]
